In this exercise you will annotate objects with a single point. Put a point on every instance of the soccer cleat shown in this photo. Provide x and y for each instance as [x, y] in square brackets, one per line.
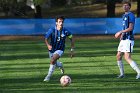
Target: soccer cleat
[47, 78]
[138, 76]
[120, 76]
[62, 70]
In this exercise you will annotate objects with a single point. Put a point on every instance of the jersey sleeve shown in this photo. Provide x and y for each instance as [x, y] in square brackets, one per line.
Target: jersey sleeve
[132, 18]
[48, 33]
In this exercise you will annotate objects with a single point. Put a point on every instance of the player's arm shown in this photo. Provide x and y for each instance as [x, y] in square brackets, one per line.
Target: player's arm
[72, 42]
[72, 45]
[131, 27]
[47, 36]
[47, 43]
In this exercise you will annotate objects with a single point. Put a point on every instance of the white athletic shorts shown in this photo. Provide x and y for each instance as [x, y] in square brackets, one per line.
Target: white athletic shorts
[126, 45]
[59, 52]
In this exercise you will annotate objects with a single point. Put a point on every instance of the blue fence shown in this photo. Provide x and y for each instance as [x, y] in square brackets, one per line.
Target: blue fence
[75, 25]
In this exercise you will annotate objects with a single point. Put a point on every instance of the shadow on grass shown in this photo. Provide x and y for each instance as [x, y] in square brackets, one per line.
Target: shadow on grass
[81, 83]
[23, 56]
[40, 56]
[13, 50]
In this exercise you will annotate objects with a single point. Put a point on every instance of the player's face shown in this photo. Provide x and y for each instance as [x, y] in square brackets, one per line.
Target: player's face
[59, 23]
[126, 7]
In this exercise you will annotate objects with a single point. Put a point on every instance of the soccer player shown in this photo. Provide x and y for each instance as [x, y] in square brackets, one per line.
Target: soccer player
[126, 41]
[57, 36]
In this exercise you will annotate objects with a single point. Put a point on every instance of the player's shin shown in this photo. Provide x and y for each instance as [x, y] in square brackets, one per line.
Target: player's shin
[50, 72]
[59, 64]
[135, 67]
[51, 69]
[121, 68]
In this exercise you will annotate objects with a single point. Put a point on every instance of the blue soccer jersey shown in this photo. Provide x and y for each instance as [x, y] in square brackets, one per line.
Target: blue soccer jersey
[128, 18]
[57, 38]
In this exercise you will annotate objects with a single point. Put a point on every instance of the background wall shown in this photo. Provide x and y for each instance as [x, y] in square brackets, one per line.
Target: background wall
[75, 25]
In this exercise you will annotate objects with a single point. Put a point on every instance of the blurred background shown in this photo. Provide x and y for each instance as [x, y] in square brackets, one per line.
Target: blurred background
[83, 17]
[68, 8]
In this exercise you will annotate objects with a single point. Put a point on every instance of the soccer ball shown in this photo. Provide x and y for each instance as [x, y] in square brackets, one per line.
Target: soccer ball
[65, 80]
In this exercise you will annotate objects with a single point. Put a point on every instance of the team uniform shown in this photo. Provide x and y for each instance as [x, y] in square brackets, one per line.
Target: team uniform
[57, 41]
[126, 44]
[127, 38]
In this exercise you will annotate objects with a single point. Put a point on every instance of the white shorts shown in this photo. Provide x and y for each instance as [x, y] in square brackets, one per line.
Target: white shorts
[59, 52]
[126, 46]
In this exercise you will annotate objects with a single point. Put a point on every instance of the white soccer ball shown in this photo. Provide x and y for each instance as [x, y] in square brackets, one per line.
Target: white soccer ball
[65, 80]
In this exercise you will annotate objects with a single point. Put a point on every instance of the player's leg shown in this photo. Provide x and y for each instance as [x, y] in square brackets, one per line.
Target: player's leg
[54, 57]
[52, 66]
[133, 64]
[127, 54]
[59, 64]
[119, 59]
[120, 64]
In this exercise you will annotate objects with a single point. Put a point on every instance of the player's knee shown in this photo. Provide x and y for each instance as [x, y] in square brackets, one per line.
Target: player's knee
[118, 56]
[53, 61]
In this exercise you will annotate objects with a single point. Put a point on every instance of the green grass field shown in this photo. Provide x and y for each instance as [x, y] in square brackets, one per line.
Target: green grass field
[25, 63]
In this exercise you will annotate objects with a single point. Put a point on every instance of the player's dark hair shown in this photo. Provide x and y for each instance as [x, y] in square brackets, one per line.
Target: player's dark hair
[59, 17]
[125, 2]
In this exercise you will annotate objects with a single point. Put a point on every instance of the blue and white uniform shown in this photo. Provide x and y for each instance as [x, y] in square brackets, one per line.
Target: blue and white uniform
[127, 38]
[57, 40]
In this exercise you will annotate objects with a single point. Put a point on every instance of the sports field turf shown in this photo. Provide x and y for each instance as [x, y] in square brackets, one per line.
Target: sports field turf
[25, 63]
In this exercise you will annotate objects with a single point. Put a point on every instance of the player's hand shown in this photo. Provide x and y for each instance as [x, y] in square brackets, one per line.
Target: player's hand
[118, 34]
[49, 47]
[72, 53]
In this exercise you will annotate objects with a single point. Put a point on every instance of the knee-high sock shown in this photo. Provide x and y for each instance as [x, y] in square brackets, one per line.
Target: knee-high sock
[135, 67]
[121, 68]
[51, 70]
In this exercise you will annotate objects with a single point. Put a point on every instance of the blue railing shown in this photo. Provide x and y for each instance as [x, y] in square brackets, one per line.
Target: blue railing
[75, 25]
